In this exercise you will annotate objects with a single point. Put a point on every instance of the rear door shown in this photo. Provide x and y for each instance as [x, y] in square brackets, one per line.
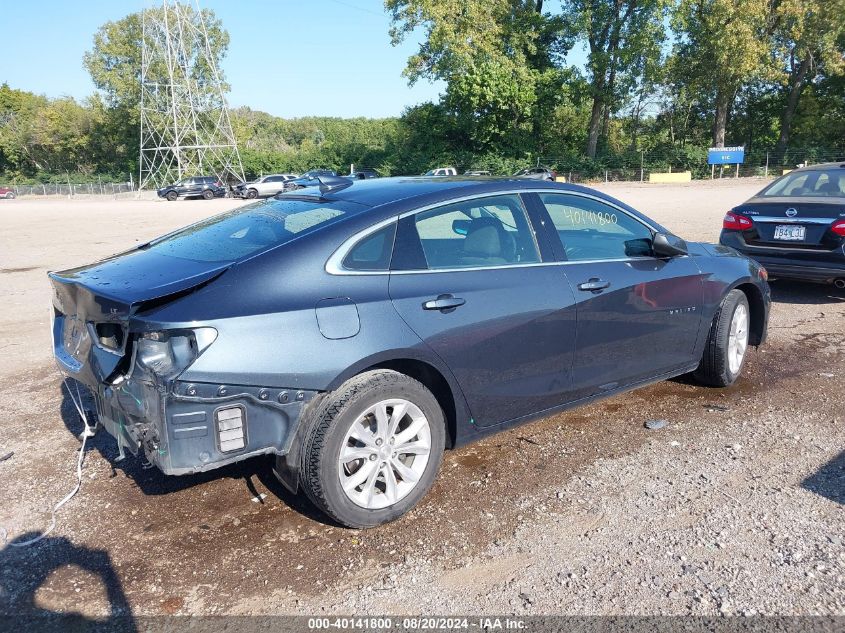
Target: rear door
[638, 315]
[469, 279]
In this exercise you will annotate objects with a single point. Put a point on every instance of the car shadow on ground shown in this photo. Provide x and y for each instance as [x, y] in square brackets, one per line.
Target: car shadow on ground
[151, 481]
[805, 293]
[27, 569]
[829, 480]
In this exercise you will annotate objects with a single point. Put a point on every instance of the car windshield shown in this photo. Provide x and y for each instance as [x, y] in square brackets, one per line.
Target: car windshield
[810, 183]
[251, 229]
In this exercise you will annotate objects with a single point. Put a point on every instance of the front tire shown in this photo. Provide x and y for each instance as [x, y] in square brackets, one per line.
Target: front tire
[727, 342]
[374, 449]
[208, 194]
[251, 194]
[171, 196]
[10, 195]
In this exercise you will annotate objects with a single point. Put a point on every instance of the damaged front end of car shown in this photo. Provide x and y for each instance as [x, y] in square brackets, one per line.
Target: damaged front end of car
[132, 366]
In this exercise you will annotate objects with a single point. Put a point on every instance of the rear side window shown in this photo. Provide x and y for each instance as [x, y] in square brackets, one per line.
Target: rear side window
[483, 232]
[373, 251]
[591, 230]
[251, 229]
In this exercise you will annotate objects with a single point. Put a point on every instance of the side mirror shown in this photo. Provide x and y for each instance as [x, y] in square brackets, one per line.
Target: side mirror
[461, 227]
[668, 245]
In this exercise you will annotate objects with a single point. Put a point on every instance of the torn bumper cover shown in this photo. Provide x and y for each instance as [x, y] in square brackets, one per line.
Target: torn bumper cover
[192, 428]
[181, 427]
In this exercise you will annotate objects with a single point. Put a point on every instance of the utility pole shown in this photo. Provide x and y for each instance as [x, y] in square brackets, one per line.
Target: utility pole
[185, 124]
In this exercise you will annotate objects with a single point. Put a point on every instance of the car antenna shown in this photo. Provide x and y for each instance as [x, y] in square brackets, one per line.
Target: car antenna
[333, 183]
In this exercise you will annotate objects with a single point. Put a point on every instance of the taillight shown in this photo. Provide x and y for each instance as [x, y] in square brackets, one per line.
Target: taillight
[736, 222]
[838, 227]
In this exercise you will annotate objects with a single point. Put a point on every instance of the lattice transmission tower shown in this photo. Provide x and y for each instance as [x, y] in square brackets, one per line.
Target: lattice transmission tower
[185, 124]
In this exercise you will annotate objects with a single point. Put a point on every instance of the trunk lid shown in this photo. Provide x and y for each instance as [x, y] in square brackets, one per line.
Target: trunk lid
[814, 214]
[93, 305]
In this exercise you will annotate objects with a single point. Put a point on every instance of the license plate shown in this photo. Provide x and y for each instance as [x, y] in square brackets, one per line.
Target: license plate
[790, 233]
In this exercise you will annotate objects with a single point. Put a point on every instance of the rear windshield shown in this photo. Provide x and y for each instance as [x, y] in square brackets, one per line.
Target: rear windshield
[802, 184]
[251, 229]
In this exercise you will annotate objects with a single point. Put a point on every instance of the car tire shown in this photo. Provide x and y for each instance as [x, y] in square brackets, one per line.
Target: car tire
[251, 194]
[208, 194]
[10, 195]
[171, 196]
[345, 446]
[727, 342]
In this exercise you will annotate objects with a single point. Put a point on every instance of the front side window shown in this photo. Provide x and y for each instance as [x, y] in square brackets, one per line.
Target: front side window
[483, 232]
[591, 230]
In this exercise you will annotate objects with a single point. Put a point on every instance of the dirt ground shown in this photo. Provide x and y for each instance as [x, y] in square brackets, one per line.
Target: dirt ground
[735, 507]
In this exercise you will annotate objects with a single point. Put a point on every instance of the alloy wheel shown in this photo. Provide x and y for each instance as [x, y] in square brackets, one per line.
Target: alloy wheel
[738, 338]
[384, 454]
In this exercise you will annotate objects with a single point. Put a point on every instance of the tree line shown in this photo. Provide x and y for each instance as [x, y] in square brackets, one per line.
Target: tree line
[660, 81]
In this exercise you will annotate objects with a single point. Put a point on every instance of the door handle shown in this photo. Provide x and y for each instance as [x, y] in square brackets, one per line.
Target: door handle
[595, 285]
[444, 303]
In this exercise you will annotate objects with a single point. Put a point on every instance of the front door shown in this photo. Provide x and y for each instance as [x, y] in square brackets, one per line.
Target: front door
[468, 278]
[638, 315]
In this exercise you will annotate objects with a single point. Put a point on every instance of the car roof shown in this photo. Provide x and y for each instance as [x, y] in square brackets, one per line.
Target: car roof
[821, 166]
[420, 190]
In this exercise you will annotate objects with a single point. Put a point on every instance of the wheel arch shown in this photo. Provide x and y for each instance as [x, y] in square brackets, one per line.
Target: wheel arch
[427, 370]
[431, 373]
[757, 307]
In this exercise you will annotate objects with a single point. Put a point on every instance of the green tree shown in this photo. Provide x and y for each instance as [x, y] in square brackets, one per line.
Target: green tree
[722, 46]
[623, 38]
[807, 36]
[497, 58]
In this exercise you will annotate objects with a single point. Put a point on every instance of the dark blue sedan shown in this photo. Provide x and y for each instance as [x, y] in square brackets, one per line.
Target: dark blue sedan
[355, 330]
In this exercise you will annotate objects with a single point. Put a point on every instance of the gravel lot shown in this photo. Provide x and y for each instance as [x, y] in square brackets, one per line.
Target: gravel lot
[735, 507]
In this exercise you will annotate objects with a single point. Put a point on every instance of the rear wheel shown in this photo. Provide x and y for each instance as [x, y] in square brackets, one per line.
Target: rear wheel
[727, 342]
[208, 194]
[374, 450]
[10, 195]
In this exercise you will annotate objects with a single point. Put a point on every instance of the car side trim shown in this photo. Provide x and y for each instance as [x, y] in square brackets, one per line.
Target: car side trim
[334, 265]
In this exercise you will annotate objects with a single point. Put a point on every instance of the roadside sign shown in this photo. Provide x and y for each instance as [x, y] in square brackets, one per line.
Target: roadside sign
[725, 155]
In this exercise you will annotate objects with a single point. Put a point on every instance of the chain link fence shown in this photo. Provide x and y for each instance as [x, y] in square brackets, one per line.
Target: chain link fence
[70, 190]
[633, 166]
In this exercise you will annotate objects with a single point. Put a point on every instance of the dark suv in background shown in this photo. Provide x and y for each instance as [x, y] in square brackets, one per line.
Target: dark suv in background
[206, 187]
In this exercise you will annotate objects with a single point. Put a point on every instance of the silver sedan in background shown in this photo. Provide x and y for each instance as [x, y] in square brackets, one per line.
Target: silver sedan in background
[263, 187]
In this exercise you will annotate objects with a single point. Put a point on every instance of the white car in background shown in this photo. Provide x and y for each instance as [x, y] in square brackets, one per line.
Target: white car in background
[442, 171]
[263, 187]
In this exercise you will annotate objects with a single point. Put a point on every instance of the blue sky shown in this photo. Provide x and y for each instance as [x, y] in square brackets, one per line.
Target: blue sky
[286, 57]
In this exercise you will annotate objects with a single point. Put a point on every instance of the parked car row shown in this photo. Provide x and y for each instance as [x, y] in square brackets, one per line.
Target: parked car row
[209, 187]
